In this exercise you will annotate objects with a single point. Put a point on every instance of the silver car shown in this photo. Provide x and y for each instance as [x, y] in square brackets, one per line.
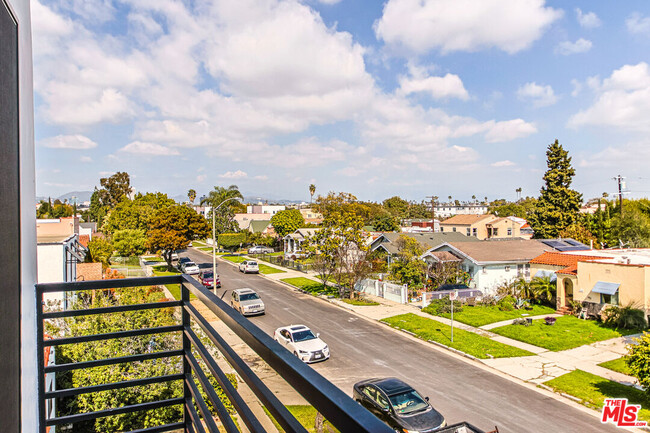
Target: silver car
[247, 302]
[249, 266]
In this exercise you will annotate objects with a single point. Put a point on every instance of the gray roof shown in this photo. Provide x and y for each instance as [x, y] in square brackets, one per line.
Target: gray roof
[431, 240]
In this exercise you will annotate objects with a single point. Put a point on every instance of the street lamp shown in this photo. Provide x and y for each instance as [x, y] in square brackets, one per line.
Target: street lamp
[214, 242]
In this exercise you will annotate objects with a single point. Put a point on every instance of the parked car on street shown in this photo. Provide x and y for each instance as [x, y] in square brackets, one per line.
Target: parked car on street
[302, 342]
[249, 266]
[206, 278]
[259, 249]
[182, 260]
[397, 404]
[247, 302]
[190, 268]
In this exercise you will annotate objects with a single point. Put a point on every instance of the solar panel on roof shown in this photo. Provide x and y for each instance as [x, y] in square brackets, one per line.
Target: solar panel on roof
[573, 242]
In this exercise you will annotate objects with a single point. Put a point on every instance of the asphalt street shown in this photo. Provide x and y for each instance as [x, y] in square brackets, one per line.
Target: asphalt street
[362, 349]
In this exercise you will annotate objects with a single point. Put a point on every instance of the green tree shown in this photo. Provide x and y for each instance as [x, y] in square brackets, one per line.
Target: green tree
[100, 249]
[580, 233]
[224, 215]
[543, 289]
[638, 359]
[137, 213]
[231, 240]
[386, 223]
[130, 242]
[342, 203]
[397, 206]
[172, 228]
[287, 221]
[408, 267]
[632, 228]
[114, 189]
[419, 210]
[97, 211]
[558, 205]
[191, 195]
[312, 191]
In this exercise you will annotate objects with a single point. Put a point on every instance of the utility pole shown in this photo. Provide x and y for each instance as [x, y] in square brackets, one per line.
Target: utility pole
[621, 185]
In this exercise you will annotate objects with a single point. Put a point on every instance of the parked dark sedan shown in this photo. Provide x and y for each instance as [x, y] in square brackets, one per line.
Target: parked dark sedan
[398, 405]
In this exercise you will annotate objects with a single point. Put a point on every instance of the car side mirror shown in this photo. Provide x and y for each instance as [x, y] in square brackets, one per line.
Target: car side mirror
[426, 398]
[317, 334]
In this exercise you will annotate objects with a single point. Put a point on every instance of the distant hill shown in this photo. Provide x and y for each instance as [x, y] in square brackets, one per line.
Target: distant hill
[79, 196]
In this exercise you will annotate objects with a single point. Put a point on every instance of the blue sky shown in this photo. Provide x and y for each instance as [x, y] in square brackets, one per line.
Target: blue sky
[376, 98]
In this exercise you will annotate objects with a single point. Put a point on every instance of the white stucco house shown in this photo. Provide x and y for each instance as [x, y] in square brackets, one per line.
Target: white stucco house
[493, 262]
[293, 242]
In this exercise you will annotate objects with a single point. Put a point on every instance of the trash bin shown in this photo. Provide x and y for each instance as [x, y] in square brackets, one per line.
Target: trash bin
[529, 321]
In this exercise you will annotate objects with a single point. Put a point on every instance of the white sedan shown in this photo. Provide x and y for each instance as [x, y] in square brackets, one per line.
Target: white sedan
[299, 340]
[190, 268]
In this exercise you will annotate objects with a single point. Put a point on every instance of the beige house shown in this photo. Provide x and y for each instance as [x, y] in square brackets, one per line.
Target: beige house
[483, 226]
[604, 277]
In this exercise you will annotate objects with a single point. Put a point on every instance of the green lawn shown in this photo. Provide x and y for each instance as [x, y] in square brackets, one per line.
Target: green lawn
[567, 333]
[311, 286]
[359, 302]
[264, 269]
[235, 259]
[175, 289]
[593, 390]
[617, 364]
[468, 342]
[482, 315]
[305, 414]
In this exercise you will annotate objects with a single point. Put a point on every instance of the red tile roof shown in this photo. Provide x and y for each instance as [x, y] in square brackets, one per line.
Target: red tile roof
[84, 239]
[561, 259]
[571, 270]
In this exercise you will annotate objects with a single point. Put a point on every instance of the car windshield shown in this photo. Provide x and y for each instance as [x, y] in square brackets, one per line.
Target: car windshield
[190, 264]
[252, 263]
[407, 402]
[207, 275]
[185, 260]
[303, 336]
[248, 296]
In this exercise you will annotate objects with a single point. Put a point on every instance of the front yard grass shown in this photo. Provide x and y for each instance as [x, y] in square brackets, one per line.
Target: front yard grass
[618, 365]
[482, 315]
[359, 302]
[311, 286]
[567, 333]
[264, 269]
[235, 259]
[593, 390]
[174, 289]
[306, 415]
[468, 342]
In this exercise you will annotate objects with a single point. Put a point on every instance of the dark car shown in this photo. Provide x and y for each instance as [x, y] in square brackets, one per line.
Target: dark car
[398, 405]
[206, 278]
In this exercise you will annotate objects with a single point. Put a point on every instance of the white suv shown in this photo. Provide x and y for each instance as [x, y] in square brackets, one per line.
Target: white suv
[247, 302]
[249, 266]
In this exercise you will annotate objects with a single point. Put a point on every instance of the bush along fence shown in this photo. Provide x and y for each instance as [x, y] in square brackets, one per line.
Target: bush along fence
[392, 292]
[281, 261]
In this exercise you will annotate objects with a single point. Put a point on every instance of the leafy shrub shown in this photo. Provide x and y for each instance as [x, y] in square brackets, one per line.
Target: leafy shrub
[231, 240]
[442, 306]
[626, 317]
[507, 303]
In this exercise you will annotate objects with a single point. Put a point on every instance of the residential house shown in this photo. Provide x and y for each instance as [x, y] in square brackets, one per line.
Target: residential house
[446, 210]
[601, 278]
[420, 225]
[262, 227]
[388, 241]
[269, 209]
[491, 263]
[293, 241]
[483, 226]
[310, 216]
[244, 219]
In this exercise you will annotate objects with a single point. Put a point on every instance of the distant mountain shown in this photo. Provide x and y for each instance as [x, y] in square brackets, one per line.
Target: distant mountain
[79, 196]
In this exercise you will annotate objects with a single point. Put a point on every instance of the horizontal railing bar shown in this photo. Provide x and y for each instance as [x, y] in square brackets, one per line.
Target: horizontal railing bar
[222, 412]
[203, 408]
[281, 414]
[253, 424]
[160, 428]
[110, 361]
[115, 385]
[108, 284]
[335, 405]
[108, 310]
[70, 419]
[195, 420]
[112, 335]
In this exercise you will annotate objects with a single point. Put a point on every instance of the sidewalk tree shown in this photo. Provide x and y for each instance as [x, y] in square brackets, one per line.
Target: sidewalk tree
[231, 240]
[408, 267]
[173, 228]
[287, 221]
[558, 205]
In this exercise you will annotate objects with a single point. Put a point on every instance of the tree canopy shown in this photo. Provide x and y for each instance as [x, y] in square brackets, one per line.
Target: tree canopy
[558, 205]
[225, 213]
[287, 221]
[137, 213]
[173, 227]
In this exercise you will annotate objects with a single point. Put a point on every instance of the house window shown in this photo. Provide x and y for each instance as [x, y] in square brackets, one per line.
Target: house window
[469, 231]
[507, 268]
[495, 232]
[475, 231]
[442, 229]
[520, 270]
[470, 270]
[509, 232]
[609, 299]
[484, 270]
[453, 229]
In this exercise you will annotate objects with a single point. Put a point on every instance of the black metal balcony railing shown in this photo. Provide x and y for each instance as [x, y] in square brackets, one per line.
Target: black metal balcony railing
[343, 412]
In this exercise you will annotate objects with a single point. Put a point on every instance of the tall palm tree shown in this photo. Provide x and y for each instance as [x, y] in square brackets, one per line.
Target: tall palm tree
[191, 194]
[312, 191]
[225, 213]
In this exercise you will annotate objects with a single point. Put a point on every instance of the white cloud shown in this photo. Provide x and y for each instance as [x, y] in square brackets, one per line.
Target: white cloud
[86, 159]
[505, 163]
[152, 149]
[539, 95]
[234, 175]
[201, 178]
[567, 48]
[508, 130]
[69, 142]
[622, 100]
[638, 24]
[447, 25]
[628, 154]
[448, 86]
[577, 87]
[261, 177]
[588, 20]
